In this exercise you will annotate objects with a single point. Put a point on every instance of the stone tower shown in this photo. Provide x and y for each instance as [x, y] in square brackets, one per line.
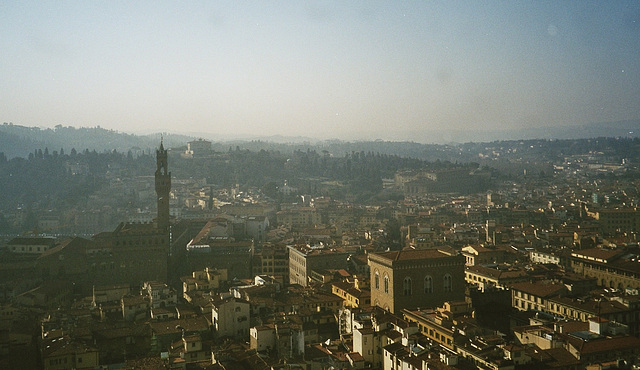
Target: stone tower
[163, 187]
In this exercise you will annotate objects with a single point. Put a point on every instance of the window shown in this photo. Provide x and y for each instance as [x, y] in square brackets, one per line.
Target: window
[447, 283]
[428, 284]
[376, 280]
[406, 286]
[386, 284]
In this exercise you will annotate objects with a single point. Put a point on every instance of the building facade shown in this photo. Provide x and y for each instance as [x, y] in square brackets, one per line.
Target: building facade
[304, 258]
[131, 254]
[230, 317]
[612, 268]
[415, 278]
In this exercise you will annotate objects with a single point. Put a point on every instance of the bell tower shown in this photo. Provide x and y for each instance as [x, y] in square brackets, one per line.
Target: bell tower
[163, 187]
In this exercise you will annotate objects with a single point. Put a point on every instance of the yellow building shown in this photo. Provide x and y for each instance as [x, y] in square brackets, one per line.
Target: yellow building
[484, 277]
[438, 324]
[63, 353]
[299, 218]
[351, 294]
[527, 296]
[613, 268]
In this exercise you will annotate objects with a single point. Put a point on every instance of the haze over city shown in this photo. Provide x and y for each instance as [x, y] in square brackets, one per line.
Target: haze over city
[319, 185]
[348, 70]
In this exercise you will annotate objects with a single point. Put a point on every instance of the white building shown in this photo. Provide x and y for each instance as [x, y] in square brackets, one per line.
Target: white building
[231, 317]
[545, 257]
[256, 227]
[160, 294]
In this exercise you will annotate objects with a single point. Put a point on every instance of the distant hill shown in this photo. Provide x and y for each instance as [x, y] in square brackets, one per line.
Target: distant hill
[19, 141]
[629, 128]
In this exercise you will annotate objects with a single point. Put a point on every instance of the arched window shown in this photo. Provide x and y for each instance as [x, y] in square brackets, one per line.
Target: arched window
[406, 286]
[447, 283]
[386, 283]
[376, 280]
[428, 284]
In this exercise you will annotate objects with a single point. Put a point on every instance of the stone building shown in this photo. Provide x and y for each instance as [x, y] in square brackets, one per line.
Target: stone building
[230, 317]
[415, 278]
[273, 260]
[163, 188]
[304, 258]
[197, 148]
[613, 268]
[299, 218]
[31, 245]
[130, 254]
[617, 221]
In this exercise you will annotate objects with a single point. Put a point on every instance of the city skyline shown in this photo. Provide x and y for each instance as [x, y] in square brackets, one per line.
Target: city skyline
[357, 70]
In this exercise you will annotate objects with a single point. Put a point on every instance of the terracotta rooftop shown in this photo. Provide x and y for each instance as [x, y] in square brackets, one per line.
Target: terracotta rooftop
[414, 254]
[195, 324]
[538, 289]
[603, 344]
[592, 306]
[554, 357]
[76, 244]
[597, 254]
[495, 273]
[355, 356]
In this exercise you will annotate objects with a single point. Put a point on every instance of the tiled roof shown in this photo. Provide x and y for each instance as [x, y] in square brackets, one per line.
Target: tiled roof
[355, 356]
[32, 241]
[77, 245]
[592, 306]
[495, 273]
[414, 254]
[195, 324]
[538, 289]
[63, 346]
[604, 344]
[597, 254]
[554, 357]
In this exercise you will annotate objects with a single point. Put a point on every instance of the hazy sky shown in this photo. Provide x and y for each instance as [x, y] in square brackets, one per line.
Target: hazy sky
[326, 69]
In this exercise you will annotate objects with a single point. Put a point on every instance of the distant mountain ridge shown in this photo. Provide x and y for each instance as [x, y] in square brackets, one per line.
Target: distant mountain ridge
[19, 141]
[628, 128]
